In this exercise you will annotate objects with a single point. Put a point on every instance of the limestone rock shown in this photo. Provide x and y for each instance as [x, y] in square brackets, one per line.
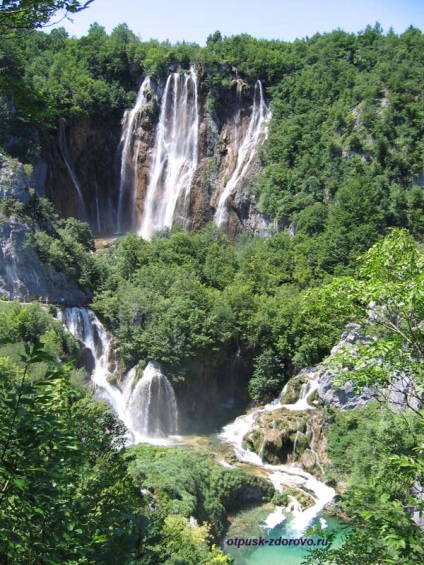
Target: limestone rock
[24, 277]
[22, 274]
[345, 397]
[14, 183]
[291, 392]
[283, 436]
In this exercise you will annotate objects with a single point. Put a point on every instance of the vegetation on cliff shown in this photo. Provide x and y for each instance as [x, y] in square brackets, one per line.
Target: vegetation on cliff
[342, 167]
[183, 296]
[379, 449]
[67, 494]
[65, 245]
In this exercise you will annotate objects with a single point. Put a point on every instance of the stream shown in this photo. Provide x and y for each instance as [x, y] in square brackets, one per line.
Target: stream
[147, 406]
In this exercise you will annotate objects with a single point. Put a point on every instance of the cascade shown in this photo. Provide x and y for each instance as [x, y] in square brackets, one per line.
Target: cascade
[85, 326]
[148, 408]
[175, 156]
[127, 189]
[247, 148]
[152, 407]
[71, 172]
[314, 452]
[306, 391]
[280, 475]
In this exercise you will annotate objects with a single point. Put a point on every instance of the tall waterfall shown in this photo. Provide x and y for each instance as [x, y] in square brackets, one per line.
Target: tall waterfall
[148, 408]
[127, 188]
[152, 407]
[175, 155]
[256, 134]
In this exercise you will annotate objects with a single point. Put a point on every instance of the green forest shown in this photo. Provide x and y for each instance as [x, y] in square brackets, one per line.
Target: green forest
[342, 180]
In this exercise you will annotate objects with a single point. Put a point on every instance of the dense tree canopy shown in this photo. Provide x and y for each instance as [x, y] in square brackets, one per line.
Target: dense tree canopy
[342, 173]
[387, 299]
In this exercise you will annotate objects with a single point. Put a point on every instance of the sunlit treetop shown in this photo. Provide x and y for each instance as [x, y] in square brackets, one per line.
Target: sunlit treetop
[34, 14]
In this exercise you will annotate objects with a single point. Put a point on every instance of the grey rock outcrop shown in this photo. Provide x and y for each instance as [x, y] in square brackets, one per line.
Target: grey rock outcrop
[400, 394]
[14, 183]
[344, 397]
[23, 275]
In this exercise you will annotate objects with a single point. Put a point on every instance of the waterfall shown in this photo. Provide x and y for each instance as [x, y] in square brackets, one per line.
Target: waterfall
[85, 327]
[71, 172]
[306, 391]
[148, 408]
[152, 407]
[99, 225]
[256, 134]
[175, 156]
[290, 476]
[127, 188]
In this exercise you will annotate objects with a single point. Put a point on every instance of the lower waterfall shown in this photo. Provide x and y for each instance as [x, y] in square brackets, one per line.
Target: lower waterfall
[151, 406]
[147, 407]
[280, 475]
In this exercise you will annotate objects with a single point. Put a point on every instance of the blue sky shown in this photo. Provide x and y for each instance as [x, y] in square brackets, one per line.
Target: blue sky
[194, 20]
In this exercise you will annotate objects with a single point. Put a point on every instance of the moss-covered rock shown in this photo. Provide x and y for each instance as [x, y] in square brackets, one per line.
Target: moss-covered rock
[112, 379]
[292, 390]
[283, 436]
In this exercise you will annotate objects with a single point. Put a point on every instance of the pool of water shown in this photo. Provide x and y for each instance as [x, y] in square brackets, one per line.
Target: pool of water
[249, 524]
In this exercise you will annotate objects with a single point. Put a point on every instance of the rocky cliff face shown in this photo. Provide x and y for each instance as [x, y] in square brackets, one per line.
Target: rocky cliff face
[83, 172]
[229, 142]
[86, 178]
[22, 275]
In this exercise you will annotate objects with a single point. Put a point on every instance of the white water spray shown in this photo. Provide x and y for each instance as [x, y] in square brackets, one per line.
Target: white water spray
[64, 151]
[280, 475]
[127, 188]
[147, 407]
[175, 156]
[152, 407]
[256, 134]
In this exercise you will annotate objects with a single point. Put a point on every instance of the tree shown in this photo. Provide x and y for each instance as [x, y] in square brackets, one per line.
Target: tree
[60, 470]
[34, 14]
[387, 299]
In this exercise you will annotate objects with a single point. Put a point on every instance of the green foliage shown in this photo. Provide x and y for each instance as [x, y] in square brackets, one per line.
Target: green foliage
[183, 296]
[67, 245]
[387, 298]
[31, 323]
[361, 442]
[188, 545]
[192, 484]
[32, 14]
[57, 477]
[342, 166]
[366, 446]
[65, 489]
[359, 548]
[267, 379]
[62, 243]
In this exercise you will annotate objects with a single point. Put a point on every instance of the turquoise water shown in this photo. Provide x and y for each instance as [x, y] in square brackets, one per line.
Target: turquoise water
[247, 524]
